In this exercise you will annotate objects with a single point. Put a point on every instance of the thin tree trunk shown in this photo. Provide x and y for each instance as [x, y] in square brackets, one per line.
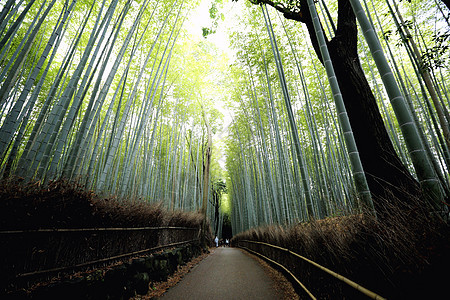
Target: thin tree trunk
[16, 23]
[385, 173]
[429, 182]
[424, 72]
[206, 165]
[206, 169]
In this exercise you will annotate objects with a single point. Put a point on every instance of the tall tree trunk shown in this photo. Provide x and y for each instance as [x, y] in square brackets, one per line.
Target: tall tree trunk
[384, 170]
[206, 168]
[447, 3]
[386, 175]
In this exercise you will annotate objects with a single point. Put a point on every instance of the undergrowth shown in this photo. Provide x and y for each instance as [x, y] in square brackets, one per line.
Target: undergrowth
[62, 204]
[25, 207]
[401, 255]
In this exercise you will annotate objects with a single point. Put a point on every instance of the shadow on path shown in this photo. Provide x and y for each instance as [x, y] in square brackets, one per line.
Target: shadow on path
[226, 274]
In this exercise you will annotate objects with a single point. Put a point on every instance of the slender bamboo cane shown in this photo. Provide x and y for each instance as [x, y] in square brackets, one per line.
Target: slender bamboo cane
[357, 169]
[422, 165]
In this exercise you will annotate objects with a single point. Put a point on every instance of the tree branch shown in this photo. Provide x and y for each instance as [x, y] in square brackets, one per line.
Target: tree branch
[292, 12]
[297, 12]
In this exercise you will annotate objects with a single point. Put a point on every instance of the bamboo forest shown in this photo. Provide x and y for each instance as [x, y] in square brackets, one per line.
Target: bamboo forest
[236, 115]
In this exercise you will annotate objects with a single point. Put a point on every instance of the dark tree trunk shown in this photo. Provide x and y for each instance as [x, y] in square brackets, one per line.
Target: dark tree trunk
[447, 3]
[388, 179]
[386, 175]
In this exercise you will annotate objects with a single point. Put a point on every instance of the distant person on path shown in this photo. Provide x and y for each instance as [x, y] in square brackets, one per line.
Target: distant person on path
[217, 241]
[226, 242]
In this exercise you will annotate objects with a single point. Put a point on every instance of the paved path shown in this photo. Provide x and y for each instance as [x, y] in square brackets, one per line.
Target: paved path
[225, 274]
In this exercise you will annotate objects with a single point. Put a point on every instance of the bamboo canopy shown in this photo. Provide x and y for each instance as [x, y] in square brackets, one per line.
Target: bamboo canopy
[137, 99]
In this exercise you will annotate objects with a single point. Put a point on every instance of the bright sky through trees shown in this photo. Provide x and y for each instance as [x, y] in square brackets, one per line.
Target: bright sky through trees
[199, 18]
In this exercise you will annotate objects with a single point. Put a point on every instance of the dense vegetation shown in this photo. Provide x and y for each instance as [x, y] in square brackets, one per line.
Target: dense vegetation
[291, 154]
[314, 116]
[399, 258]
[108, 94]
[299, 143]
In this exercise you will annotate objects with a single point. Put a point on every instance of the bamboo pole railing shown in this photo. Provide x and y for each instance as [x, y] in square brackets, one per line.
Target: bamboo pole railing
[285, 269]
[14, 234]
[342, 278]
[55, 230]
[103, 260]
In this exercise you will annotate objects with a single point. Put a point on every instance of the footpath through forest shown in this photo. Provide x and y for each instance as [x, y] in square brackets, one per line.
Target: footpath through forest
[227, 273]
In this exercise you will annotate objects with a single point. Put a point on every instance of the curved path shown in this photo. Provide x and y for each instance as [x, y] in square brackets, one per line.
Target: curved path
[227, 273]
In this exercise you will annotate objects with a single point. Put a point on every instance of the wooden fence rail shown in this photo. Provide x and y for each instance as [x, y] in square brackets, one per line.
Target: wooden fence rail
[35, 254]
[342, 278]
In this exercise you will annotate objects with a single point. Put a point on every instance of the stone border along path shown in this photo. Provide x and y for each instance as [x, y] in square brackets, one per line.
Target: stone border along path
[227, 273]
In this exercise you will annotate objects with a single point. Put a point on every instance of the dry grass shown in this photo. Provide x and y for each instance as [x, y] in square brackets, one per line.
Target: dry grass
[61, 204]
[393, 256]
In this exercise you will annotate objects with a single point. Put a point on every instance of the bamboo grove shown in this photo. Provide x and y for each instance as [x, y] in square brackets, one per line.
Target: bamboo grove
[104, 93]
[292, 154]
[116, 95]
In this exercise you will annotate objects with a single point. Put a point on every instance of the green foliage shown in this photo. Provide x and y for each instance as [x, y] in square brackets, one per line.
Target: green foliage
[437, 56]
[139, 131]
[215, 16]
